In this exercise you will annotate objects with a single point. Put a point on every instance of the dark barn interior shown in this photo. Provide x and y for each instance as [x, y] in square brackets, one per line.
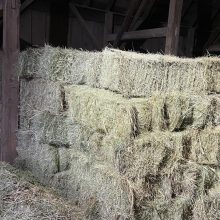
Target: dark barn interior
[131, 25]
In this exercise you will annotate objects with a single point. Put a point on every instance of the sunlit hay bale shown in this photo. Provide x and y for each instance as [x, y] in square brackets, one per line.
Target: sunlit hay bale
[94, 180]
[212, 69]
[61, 64]
[134, 74]
[107, 112]
[29, 63]
[207, 208]
[41, 159]
[38, 96]
[205, 146]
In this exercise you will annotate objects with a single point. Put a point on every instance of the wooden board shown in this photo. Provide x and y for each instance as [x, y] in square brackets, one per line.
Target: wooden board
[173, 29]
[9, 111]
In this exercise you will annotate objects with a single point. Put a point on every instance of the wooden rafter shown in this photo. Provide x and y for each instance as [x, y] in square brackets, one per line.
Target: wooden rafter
[83, 24]
[173, 27]
[141, 34]
[127, 21]
[9, 111]
[145, 9]
[26, 4]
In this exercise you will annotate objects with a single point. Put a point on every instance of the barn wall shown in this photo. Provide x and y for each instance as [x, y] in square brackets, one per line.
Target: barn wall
[35, 23]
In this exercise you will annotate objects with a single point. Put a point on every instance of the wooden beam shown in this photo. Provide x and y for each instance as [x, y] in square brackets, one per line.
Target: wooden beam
[108, 28]
[26, 4]
[83, 24]
[23, 7]
[10, 86]
[127, 21]
[1, 4]
[173, 29]
[98, 10]
[142, 34]
[110, 5]
[145, 8]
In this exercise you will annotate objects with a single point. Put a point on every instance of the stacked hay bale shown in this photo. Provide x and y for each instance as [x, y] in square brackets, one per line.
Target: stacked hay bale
[137, 134]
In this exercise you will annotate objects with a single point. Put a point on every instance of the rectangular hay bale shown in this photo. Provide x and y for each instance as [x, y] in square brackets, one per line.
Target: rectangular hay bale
[37, 96]
[135, 74]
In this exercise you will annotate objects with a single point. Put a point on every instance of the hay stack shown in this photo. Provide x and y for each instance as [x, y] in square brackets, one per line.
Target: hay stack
[142, 144]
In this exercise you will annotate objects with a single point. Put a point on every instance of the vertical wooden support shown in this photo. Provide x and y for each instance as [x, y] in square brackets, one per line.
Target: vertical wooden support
[108, 28]
[173, 28]
[9, 111]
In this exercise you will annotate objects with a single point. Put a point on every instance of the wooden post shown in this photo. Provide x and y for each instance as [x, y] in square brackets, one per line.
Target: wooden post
[108, 28]
[173, 28]
[10, 91]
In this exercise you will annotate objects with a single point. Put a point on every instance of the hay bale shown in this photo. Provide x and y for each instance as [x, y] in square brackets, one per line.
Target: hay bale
[57, 130]
[61, 64]
[93, 180]
[41, 159]
[134, 74]
[180, 111]
[205, 146]
[107, 112]
[37, 96]
[154, 153]
[29, 62]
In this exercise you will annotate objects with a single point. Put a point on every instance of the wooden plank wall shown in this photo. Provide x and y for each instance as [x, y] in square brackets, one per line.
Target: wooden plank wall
[35, 23]
[35, 27]
[78, 37]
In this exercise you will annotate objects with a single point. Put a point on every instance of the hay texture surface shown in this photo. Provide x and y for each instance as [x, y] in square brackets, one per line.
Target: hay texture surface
[134, 74]
[62, 65]
[23, 199]
[133, 136]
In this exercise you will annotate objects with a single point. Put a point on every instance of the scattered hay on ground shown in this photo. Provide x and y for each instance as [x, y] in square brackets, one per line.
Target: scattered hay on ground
[23, 199]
